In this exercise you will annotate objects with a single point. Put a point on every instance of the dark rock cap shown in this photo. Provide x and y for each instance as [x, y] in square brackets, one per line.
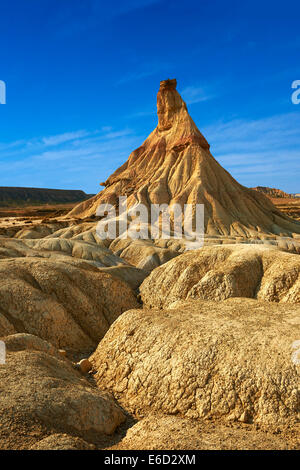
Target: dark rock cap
[169, 83]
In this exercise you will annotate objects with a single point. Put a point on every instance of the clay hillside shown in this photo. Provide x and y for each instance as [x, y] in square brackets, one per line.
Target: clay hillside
[174, 165]
[10, 196]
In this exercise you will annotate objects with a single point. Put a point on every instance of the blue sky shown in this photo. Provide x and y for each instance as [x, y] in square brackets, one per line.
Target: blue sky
[82, 78]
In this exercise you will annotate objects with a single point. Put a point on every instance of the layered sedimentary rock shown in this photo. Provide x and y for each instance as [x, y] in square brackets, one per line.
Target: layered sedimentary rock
[272, 192]
[174, 166]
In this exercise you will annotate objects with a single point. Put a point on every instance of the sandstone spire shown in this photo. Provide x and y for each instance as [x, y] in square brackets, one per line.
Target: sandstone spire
[174, 165]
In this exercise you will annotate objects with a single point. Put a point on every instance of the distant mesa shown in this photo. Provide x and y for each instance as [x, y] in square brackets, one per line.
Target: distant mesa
[175, 165]
[273, 192]
[11, 196]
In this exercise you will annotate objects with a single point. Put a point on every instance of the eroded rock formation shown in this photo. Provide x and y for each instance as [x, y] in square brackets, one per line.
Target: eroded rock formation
[174, 165]
[219, 272]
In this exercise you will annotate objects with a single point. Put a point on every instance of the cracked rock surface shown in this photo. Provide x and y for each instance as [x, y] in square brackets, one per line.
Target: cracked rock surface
[203, 359]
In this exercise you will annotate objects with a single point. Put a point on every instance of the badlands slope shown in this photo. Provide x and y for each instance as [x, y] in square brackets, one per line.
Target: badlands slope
[140, 344]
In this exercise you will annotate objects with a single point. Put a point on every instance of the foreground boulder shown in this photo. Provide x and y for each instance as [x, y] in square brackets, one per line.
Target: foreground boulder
[232, 359]
[65, 301]
[42, 394]
[219, 272]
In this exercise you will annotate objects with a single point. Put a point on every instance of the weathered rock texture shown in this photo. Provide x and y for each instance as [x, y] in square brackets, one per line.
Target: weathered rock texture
[174, 165]
[174, 433]
[41, 394]
[65, 301]
[231, 359]
[128, 260]
[219, 272]
[144, 254]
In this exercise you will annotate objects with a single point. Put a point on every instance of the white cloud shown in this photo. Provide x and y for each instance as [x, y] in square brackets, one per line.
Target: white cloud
[262, 152]
[78, 159]
[193, 94]
[66, 137]
[265, 151]
[275, 132]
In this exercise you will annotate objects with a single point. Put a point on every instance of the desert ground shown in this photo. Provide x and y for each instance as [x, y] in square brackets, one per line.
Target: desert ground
[30, 214]
[143, 344]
